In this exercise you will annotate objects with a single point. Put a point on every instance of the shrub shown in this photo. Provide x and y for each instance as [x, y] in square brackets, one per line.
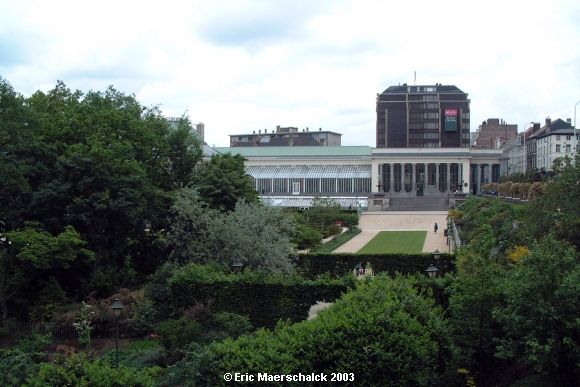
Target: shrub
[265, 299]
[177, 333]
[79, 371]
[385, 333]
[337, 265]
[333, 229]
[144, 316]
[232, 324]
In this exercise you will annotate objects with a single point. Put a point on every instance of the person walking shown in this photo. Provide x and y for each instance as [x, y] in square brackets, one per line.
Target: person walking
[435, 228]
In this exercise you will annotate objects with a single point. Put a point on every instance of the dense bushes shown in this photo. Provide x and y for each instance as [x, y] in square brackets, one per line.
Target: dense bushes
[337, 265]
[384, 333]
[264, 298]
[79, 371]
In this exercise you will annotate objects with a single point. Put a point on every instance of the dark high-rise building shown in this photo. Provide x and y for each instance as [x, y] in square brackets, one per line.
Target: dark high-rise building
[422, 117]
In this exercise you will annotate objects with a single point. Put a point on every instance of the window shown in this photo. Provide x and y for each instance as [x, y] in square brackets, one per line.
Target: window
[557, 148]
[568, 148]
[568, 138]
[557, 137]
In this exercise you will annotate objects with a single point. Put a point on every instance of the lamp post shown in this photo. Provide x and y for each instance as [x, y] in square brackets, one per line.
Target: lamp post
[432, 271]
[236, 266]
[117, 306]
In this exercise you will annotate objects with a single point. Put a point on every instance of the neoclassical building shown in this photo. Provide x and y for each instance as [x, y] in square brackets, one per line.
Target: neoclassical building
[294, 176]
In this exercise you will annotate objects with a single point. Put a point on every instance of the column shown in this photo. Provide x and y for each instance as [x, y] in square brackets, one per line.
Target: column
[466, 176]
[413, 177]
[437, 177]
[391, 178]
[374, 176]
[403, 177]
[489, 172]
[448, 169]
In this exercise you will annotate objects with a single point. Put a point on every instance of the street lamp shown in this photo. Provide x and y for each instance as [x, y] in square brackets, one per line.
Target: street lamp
[117, 306]
[432, 271]
[237, 266]
[437, 255]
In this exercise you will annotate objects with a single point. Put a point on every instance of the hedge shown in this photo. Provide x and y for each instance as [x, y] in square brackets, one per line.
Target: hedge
[337, 265]
[265, 299]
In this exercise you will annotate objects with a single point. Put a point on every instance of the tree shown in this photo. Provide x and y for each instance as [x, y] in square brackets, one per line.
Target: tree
[323, 213]
[474, 293]
[257, 236]
[556, 210]
[33, 253]
[540, 314]
[222, 181]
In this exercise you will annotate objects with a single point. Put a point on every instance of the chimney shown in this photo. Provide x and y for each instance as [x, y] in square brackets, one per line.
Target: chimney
[200, 128]
[307, 128]
[254, 132]
[259, 131]
[569, 120]
[548, 121]
[320, 129]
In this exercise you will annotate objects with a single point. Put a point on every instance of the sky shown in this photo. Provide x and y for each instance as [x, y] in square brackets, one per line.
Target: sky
[245, 65]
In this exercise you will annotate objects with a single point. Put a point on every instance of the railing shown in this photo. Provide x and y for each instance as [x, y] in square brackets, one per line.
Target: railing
[16, 329]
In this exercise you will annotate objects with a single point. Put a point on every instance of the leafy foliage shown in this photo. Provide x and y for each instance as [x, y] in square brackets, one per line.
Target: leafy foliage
[541, 309]
[80, 371]
[257, 236]
[384, 332]
[222, 181]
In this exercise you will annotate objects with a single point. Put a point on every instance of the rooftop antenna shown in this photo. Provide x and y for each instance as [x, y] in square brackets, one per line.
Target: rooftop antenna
[415, 78]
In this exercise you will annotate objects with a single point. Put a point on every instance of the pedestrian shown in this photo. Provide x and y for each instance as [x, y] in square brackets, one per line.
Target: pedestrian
[435, 228]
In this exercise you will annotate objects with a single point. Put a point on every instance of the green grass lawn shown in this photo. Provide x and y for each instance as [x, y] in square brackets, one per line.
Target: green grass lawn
[407, 242]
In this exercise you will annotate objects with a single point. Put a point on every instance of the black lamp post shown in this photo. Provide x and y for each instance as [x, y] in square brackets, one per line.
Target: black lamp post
[237, 266]
[432, 271]
[436, 255]
[117, 306]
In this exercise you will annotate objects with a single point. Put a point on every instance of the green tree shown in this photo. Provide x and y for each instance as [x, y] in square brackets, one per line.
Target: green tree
[33, 253]
[222, 181]
[541, 309]
[557, 210]
[323, 213]
[474, 293]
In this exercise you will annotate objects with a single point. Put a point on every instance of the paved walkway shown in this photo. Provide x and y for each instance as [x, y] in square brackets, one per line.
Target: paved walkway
[371, 223]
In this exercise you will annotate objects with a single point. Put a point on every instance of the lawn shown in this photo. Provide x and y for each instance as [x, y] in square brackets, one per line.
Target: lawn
[407, 242]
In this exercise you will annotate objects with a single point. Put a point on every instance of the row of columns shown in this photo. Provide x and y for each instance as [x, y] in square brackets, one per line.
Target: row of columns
[462, 176]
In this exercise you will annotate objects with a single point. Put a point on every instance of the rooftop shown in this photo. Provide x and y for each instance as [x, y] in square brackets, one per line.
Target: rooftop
[298, 151]
[421, 89]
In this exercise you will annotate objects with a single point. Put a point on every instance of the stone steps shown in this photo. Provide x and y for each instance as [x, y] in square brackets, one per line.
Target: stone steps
[422, 203]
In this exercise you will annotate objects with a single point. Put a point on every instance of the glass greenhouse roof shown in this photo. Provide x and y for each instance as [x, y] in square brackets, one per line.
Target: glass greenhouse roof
[309, 171]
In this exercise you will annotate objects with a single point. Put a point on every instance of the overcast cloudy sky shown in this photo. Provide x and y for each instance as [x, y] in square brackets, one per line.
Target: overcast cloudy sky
[242, 65]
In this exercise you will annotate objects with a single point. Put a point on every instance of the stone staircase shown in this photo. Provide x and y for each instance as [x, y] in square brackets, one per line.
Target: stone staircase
[419, 203]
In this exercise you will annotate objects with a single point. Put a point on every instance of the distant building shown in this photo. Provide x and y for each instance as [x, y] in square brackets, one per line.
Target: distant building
[435, 116]
[493, 134]
[555, 139]
[286, 136]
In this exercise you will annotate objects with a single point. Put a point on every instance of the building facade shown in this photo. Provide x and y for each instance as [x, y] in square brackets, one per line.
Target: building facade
[286, 136]
[294, 176]
[554, 140]
[434, 116]
[494, 134]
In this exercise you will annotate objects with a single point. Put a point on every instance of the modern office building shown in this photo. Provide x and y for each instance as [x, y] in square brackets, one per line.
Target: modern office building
[286, 136]
[435, 116]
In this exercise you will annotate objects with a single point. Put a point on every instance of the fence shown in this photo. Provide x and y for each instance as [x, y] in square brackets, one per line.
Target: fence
[15, 329]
